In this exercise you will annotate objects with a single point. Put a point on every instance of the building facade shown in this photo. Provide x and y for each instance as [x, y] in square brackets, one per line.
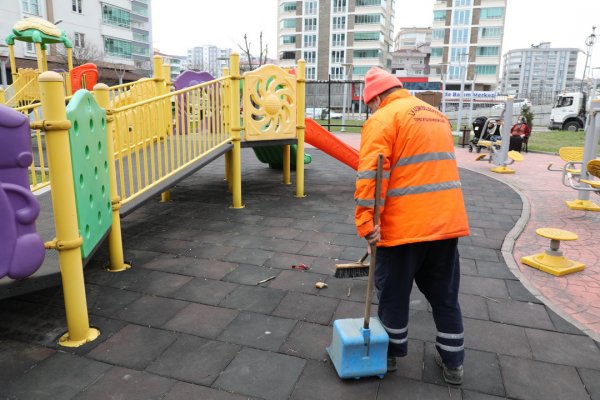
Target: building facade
[540, 72]
[208, 58]
[466, 42]
[338, 39]
[107, 32]
[175, 63]
[412, 47]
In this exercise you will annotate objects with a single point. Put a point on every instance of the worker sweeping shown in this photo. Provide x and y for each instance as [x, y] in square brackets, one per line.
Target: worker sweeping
[421, 217]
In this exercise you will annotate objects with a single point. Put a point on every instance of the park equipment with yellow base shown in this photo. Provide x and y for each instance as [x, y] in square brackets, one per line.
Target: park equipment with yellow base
[359, 346]
[552, 260]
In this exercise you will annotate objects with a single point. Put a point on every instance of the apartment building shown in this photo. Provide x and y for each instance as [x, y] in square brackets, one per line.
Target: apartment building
[466, 43]
[175, 63]
[209, 58]
[539, 72]
[412, 47]
[338, 39]
[107, 32]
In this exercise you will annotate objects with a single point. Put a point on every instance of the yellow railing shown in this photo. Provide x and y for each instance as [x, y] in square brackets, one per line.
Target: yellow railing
[38, 171]
[25, 89]
[132, 92]
[156, 138]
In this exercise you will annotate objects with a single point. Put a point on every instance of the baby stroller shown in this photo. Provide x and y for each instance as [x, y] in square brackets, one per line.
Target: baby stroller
[485, 130]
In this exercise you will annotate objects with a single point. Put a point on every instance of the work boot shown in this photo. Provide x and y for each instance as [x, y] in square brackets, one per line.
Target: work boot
[453, 376]
[392, 364]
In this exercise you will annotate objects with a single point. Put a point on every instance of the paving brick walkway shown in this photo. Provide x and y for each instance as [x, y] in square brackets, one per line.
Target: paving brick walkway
[189, 321]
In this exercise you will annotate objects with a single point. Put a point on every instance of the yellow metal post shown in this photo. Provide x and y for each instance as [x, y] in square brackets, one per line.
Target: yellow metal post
[69, 67]
[40, 57]
[234, 106]
[287, 179]
[68, 241]
[167, 77]
[159, 81]
[300, 103]
[225, 125]
[2, 96]
[115, 240]
[13, 64]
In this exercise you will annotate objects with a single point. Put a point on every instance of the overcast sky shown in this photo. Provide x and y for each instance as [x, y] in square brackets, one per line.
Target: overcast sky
[181, 24]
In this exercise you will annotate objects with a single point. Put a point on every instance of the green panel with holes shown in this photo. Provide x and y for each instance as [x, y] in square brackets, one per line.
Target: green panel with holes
[87, 137]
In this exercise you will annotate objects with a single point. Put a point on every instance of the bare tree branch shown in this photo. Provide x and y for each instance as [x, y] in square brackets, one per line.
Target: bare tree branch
[262, 52]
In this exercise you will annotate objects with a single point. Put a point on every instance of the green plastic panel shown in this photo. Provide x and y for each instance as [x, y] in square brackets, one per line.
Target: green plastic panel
[87, 138]
[273, 155]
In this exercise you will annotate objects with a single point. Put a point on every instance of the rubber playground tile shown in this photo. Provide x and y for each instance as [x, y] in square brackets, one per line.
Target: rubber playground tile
[286, 260]
[518, 292]
[262, 374]
[16, 358]
[187, 391]
[258, 330]
[151, 310]
[308, 341]
[319, 380]
[305, 307]
[496, 338]
[166, 263]
[298, 280]
[133, 346]
[520, 313]
[553, 347]
[280, 222]
[470, 395]
[248, 256]
[322, 250]
[189, 320]
[206, 291]
[552, 381]
[120, 280]
[253, 298]
[169, 246]
[159, 283]
[591, 380]
[208, 251]
[490, 269]
[478, 253]
[473, 306]
[310, 225]
[487, 287]
[193, 359]
[562, 326]
[393, 387]
[127, 384]
[278, 232]
[60, 376]
[107, 301]
[246, 274]
[203, 268]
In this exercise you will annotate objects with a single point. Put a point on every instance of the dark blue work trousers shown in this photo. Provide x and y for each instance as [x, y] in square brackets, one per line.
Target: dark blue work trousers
[435, 268]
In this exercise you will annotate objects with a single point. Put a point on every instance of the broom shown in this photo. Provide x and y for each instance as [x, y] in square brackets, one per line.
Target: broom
[360, 268]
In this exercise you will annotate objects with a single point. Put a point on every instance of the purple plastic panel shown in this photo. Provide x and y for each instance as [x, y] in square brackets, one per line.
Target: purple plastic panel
[185, 80]
[21, 248]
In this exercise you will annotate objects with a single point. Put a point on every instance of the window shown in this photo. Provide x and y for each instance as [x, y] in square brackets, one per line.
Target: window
[339, 6]
[462, 17]
[141, 36]
[310, 7]
[373, 53]
[462, 3]
[288, 39]
[117, 47]
[360, 71]
[339, 22]
[139, 9]
[310, 40]
[116, 16]
[76, 6]
[454, 72]
[367, 19]
[365, 36]
[492, 13]
[288, 55]
[437, 51]
[439, 15]
[311, 73]
[31, 7]
[338, 39]
[337, 73]
[487, 51]
[367, 3]
[79, 39]
[287, 23]
[485, 69]
[140, 50]
[458, 54]
[310, 57]
[492, 32]
[310, 24]
[438, 34]
[288, 7]
[337, 56]
[460, 35]
[29, 47]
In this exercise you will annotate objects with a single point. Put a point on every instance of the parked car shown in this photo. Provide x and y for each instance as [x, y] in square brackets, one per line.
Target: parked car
[517, 105]
[321, 113]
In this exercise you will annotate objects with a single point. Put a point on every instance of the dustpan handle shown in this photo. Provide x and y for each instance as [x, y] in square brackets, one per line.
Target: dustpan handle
[378, 175]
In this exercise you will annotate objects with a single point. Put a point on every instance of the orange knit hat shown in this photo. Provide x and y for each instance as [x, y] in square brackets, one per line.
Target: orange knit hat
[378, 81]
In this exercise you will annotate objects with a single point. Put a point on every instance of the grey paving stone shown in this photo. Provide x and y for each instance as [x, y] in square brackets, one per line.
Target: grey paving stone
[520, 313]
[194, 359]
[473, 306]
[170, 246]
[488, 287]
[496, 338]
[478, 253]
[209, 251]
[108, 301]
[346, 289]
[257, 330]
[421, 326]
[528, 379]
[591, 379]
[207, 291]
[187, 391]
[248, 256]
[133, 346]
[352, 309]
[209, 269]
[279, 232]
[411, 366]
[579, 351]
[308, 341]
[17, 358]
[122, 383]
[253, 298]
[393, 387]
[151, 310]
[348, 229]
[60, 376]
[286, 260]
[316, 237]
[492, 269]
[517, 291]
[297, 280]
[246, 274]
[304, 307]
[349, 240]
[321, 250]
[468, 267]
[469, 395]
[159, 283]
[262, 374]
[319, 380]
[563, 326]
[201, 320]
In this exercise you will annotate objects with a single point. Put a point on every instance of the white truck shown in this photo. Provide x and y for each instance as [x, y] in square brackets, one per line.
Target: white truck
[569, 111]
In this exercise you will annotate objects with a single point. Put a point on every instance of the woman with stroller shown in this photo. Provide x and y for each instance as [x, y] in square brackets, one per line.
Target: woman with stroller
[519, 134]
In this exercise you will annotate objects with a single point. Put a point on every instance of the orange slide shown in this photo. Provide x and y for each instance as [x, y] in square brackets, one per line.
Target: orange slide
[326, 141]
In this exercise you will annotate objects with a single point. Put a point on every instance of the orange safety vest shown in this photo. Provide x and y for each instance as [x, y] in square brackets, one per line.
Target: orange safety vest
[421, 191]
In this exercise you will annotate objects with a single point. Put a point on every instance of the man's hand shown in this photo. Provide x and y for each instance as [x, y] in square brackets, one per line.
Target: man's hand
[374, 236]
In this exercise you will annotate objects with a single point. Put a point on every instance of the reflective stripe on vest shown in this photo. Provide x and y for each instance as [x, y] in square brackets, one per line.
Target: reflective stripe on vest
[432, 187]
[425, 157]
[367, 203]
[371, 174]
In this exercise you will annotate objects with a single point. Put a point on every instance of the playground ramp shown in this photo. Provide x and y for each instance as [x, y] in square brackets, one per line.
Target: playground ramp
[326, 141]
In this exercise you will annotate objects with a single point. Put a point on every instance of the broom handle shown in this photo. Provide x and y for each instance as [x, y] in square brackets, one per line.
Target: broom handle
[373, 246]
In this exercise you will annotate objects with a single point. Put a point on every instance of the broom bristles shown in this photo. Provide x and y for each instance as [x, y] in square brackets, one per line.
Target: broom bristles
[351, 271]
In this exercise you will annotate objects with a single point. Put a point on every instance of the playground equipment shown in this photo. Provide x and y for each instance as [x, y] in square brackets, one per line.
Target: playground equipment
[552, 260]
[571, 156]
[25, 89]
[84, 76]
[576, 174]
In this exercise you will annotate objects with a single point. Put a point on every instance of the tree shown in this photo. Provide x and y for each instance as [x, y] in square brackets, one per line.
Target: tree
[262, 55]
[82, 53]
[528, 114]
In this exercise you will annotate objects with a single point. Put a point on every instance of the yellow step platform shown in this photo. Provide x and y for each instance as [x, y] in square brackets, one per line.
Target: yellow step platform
[552, 260]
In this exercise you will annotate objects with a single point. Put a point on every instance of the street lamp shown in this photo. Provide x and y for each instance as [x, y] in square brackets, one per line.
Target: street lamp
[445, 80]
[348, 69]
[462, 89]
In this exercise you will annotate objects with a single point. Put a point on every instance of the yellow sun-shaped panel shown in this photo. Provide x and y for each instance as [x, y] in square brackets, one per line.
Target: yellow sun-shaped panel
[269, 104]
